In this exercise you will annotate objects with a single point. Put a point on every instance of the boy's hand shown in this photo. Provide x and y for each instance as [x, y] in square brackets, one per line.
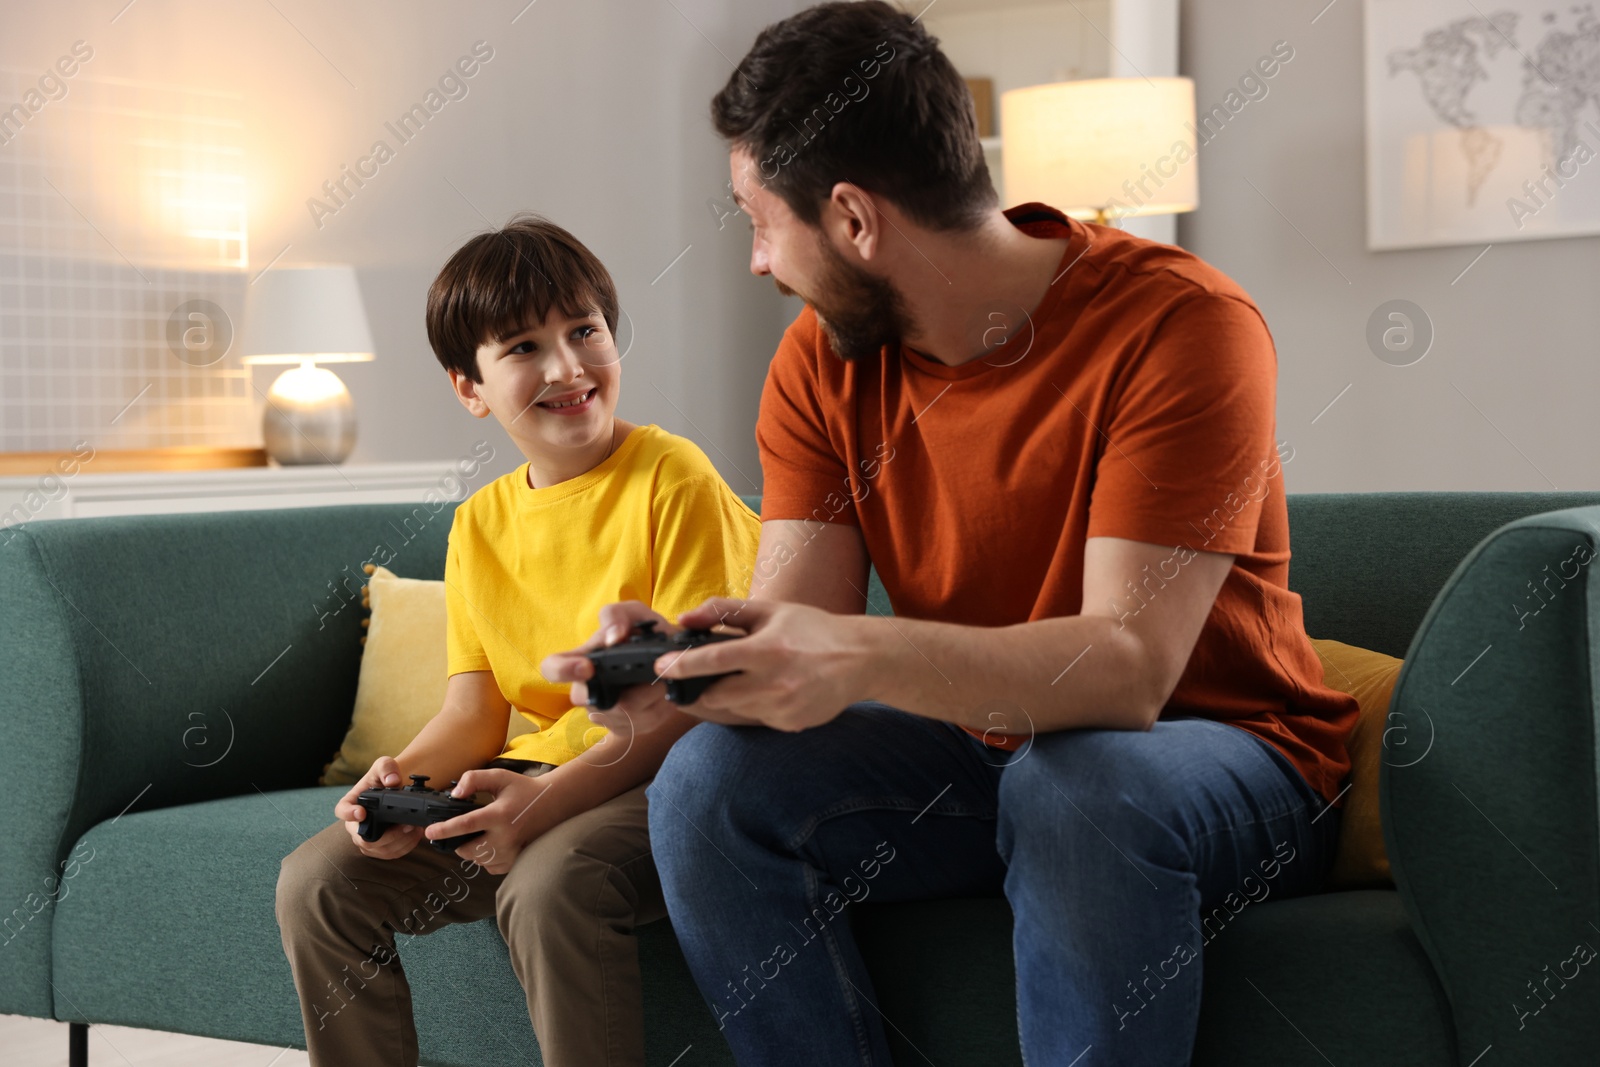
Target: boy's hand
[640, 709]
[396, 840]
[508, 822]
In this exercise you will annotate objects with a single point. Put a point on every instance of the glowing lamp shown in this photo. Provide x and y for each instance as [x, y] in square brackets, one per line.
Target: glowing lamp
[1102, 148]
[306, 316]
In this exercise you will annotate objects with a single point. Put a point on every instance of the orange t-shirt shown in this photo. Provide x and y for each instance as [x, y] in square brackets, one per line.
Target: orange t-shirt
[1142, 406]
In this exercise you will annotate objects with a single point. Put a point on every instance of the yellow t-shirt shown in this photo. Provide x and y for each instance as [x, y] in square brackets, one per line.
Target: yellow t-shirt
[527, 570]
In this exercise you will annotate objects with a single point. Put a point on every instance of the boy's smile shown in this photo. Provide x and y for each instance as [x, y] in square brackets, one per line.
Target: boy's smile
[554, 389]
[570, 403]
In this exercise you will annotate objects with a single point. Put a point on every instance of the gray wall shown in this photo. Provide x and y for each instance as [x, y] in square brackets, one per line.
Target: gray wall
[593, 113]
[1506, 397]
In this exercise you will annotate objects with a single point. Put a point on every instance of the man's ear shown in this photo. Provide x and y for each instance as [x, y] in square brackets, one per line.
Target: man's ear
[466, 391]
[851, 217]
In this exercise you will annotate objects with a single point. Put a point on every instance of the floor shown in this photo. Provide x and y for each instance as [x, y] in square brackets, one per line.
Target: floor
[43, 1043]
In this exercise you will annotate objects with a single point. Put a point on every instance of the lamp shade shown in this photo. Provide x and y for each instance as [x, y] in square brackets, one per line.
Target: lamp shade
[293, 314]
[1117, 145]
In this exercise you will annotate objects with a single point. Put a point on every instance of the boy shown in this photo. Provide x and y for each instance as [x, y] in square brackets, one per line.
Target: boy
[522, 320]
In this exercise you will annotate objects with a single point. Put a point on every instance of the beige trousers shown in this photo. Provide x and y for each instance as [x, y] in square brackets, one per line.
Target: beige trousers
[567, 910]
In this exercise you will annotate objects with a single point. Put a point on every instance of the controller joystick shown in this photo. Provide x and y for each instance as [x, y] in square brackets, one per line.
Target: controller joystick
[413, 805]
[632, 662]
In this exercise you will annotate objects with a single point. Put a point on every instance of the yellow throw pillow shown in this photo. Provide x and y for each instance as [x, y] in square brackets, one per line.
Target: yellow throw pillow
[1361, 860]
[402, 680]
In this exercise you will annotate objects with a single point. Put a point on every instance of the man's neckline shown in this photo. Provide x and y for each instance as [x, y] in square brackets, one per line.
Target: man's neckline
[1078, 240]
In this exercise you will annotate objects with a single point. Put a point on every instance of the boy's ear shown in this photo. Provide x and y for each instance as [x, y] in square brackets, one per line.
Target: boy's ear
[466, 391]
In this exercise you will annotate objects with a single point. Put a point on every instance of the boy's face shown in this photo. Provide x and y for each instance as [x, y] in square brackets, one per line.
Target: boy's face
[530, 378]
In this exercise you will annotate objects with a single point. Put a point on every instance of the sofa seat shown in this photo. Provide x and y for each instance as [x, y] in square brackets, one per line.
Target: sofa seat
[1349, 978]
[183, 897]
[120, 633]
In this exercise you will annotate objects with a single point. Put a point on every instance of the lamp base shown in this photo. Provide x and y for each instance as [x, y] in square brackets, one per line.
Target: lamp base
[309, 417]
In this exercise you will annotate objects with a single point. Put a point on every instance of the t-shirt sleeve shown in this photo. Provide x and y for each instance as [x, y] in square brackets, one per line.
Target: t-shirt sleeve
[703, 544]
[803, 475]
[1188, 450]
[463, 650]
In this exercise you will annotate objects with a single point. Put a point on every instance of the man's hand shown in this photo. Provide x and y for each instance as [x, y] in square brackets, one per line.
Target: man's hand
[638, 710]
[801, 665]
[396, 840]
[508, 822]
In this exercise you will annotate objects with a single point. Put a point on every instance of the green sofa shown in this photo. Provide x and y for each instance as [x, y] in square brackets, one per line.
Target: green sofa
[174, 684]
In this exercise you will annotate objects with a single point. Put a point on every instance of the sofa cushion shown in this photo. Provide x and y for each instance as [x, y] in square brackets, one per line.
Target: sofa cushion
[403, 672]
[1344, 967]
[1362, 861]
[402, 681]
[1368, 565]
[1334, 977]
[182, 898]
[171, 926]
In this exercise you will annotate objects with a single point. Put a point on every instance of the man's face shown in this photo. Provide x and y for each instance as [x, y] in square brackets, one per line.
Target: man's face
[859, 311]
[529, 378]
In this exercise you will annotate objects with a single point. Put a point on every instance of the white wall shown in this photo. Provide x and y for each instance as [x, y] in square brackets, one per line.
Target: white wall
[593, 113]
[1505, 400]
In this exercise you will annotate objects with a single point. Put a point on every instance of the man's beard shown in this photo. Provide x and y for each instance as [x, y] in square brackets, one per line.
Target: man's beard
[859, 312]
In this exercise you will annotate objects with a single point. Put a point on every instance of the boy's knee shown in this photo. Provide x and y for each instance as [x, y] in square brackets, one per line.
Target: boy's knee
[309, 885]
[547, 893]
[296, 877]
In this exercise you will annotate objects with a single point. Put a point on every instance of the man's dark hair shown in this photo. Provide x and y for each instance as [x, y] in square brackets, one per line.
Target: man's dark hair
[504, 281]
[858, 92]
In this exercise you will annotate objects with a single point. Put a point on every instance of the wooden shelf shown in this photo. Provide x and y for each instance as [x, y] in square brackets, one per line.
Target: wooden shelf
[179, 458]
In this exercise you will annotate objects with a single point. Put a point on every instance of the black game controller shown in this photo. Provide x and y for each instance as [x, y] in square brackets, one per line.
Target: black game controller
[632, 662]
[413, 805]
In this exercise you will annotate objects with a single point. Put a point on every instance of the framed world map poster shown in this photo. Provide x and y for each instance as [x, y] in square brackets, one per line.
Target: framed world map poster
[1483, 121]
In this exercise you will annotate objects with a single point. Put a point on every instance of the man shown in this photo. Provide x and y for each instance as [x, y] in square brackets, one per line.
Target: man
[1055, 442]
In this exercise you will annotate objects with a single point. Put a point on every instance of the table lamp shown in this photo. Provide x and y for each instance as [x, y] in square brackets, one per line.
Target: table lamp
[304, 316]
[1101, 148]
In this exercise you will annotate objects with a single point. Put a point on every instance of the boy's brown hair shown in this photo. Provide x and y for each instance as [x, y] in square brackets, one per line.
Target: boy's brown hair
[504, 281]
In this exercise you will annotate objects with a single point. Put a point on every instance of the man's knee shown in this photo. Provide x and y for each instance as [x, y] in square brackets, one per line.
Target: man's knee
[1083, 788]
[1089, 760]
[703, 753]
[705, 768]
[721, 785]
[689, 787]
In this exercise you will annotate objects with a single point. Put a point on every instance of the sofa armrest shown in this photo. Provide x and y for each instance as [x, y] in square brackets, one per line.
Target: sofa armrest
[159, 660]
[1489, 790]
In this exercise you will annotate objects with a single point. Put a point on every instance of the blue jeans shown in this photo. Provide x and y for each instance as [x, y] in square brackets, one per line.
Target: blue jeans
[1122, 854]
